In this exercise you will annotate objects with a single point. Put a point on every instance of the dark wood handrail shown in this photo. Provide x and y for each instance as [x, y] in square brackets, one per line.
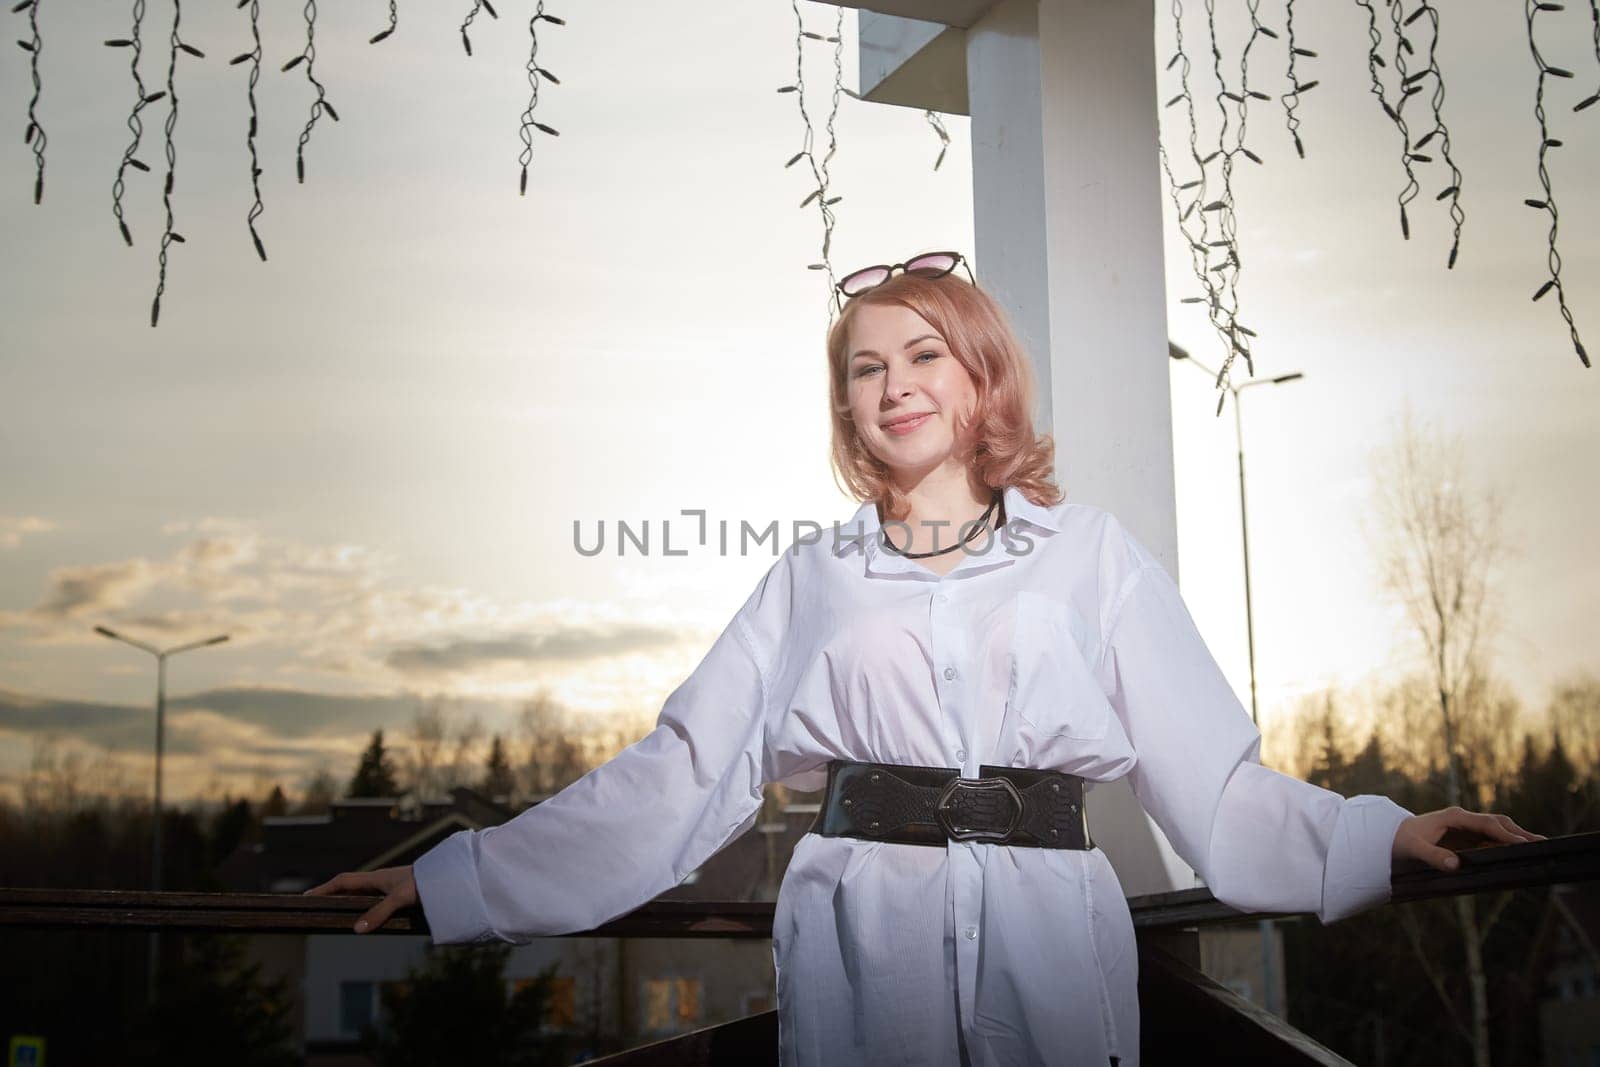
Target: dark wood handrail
[1575, 858]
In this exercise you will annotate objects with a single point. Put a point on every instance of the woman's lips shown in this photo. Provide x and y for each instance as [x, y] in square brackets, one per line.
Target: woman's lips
[900, 428]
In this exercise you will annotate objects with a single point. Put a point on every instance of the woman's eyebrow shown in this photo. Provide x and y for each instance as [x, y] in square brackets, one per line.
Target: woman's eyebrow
[910, 343]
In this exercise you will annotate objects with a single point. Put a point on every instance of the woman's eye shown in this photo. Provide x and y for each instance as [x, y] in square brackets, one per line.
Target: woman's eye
[930, 355]
[862, 373]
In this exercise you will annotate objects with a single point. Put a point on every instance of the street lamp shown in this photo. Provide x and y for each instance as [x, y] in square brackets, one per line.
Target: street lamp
[161, 715]
[1268, 993]
[1177, 352]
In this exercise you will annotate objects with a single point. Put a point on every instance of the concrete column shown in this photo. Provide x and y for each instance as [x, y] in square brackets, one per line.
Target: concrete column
[1067, 210]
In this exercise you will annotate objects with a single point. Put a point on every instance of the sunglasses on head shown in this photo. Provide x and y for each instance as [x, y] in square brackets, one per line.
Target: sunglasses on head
[927, 265]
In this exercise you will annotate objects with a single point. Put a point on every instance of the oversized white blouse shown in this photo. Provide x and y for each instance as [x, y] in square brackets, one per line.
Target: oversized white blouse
[1064, 645]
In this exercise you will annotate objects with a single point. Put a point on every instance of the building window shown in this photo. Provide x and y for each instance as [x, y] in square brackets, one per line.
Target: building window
[561, 1000]
[358, 1007]
[561, 1012]
[671, 1004]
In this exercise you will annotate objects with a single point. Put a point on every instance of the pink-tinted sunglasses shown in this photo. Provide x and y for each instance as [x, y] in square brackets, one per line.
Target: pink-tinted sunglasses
[927, 265]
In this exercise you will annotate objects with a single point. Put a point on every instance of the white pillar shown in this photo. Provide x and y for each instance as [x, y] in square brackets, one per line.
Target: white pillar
[1067, 212]
[1062, 95]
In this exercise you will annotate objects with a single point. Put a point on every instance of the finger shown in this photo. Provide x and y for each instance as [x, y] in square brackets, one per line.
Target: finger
[1441, 858]
[376, 916]
[348, 882]
[1526, 835]
[1492, 826]
[330, 886]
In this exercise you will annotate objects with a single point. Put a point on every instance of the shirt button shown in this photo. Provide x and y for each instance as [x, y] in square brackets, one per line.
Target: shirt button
[940, 597]
[961, 754]
[949, 674]
[972, 933]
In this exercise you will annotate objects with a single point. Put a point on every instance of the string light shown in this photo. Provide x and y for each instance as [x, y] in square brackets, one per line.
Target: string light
[1411, 84]
[1227, 218]
[1291, 99]
[477, 5]
[1548, 202]
[320, 104]
[253, 57]
[535, 72]
[819, 172]
[1374, 61]
[944, 136]
[394, 22]
[1594, 18]
[170, 236]
[1199, 243]
[135, 122]
[35, 135]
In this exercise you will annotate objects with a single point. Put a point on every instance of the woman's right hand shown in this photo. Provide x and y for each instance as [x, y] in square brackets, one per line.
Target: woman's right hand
[395, 883]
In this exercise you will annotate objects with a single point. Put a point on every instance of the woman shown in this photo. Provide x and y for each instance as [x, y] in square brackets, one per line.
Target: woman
[952, 665]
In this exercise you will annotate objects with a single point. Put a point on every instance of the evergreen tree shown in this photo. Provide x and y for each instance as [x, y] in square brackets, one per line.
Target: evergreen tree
[1331, 768]
[498, 781]
[276, 803]
[212, 1008]
[233, 824]
[455, 1008]
[320, 794]
[375, 776]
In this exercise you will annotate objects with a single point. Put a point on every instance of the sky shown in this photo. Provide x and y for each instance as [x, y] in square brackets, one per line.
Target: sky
[363, 459]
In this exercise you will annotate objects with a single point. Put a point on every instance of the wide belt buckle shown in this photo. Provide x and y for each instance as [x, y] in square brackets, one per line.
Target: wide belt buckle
[945, 809]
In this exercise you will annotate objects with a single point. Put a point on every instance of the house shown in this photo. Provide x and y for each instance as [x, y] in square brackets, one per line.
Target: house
[613, 992]
[1568, 956]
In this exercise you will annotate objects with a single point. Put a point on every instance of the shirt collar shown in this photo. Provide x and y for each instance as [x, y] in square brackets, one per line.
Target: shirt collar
[859, 538]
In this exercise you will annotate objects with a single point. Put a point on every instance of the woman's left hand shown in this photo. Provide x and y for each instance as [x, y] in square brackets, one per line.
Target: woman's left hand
[1419, 836]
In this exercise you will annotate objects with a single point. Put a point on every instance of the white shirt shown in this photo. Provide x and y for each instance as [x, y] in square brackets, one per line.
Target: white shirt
[1066, 646]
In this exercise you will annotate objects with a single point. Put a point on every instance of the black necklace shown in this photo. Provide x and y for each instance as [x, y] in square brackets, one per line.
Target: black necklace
[978, 526]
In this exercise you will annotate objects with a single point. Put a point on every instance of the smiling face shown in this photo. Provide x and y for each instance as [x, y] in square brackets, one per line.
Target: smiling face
[906, 390]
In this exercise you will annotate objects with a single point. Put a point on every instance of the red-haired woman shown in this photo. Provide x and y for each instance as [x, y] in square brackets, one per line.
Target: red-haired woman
[953, 665]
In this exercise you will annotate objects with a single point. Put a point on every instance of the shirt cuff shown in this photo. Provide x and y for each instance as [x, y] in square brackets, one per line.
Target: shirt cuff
[1360, 856]
[447, 886]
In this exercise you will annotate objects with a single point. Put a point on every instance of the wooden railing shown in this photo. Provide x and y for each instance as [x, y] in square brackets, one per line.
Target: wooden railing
[1575, 858]
[1190, 1006]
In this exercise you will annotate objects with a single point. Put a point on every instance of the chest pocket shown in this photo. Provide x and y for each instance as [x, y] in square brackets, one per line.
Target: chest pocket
[1052, 688]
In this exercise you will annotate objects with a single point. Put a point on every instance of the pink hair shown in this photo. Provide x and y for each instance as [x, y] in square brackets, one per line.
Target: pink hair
[1003, 450]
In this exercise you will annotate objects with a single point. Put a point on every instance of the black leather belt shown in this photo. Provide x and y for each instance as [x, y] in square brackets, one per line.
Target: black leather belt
[914, 805]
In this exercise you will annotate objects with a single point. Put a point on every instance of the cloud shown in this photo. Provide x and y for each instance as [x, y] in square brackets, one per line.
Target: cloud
[240, 738]
[13, 528]
[210, 524]
[561, 645]
[307, 614]
[253, 718]
[95, 588]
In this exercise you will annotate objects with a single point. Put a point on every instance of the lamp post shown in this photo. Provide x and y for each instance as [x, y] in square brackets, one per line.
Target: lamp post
[161, 715]
[1268, 993]
[1177, 352]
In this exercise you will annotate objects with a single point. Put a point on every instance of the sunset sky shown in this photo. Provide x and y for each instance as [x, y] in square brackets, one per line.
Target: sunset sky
[363, 459]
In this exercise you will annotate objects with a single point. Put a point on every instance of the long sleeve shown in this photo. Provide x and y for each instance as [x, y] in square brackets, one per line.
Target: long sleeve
[628, 830]
[1261, 840]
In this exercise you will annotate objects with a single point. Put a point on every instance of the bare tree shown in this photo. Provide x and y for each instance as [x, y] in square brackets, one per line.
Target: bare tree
[1439, 548]
[464, 759]
[320, 793]
[422, 763]
[1574, 713]
[62, 780]
[547, 733]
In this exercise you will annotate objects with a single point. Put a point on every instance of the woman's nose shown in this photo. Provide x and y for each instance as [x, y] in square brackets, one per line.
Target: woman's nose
[895, 384]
